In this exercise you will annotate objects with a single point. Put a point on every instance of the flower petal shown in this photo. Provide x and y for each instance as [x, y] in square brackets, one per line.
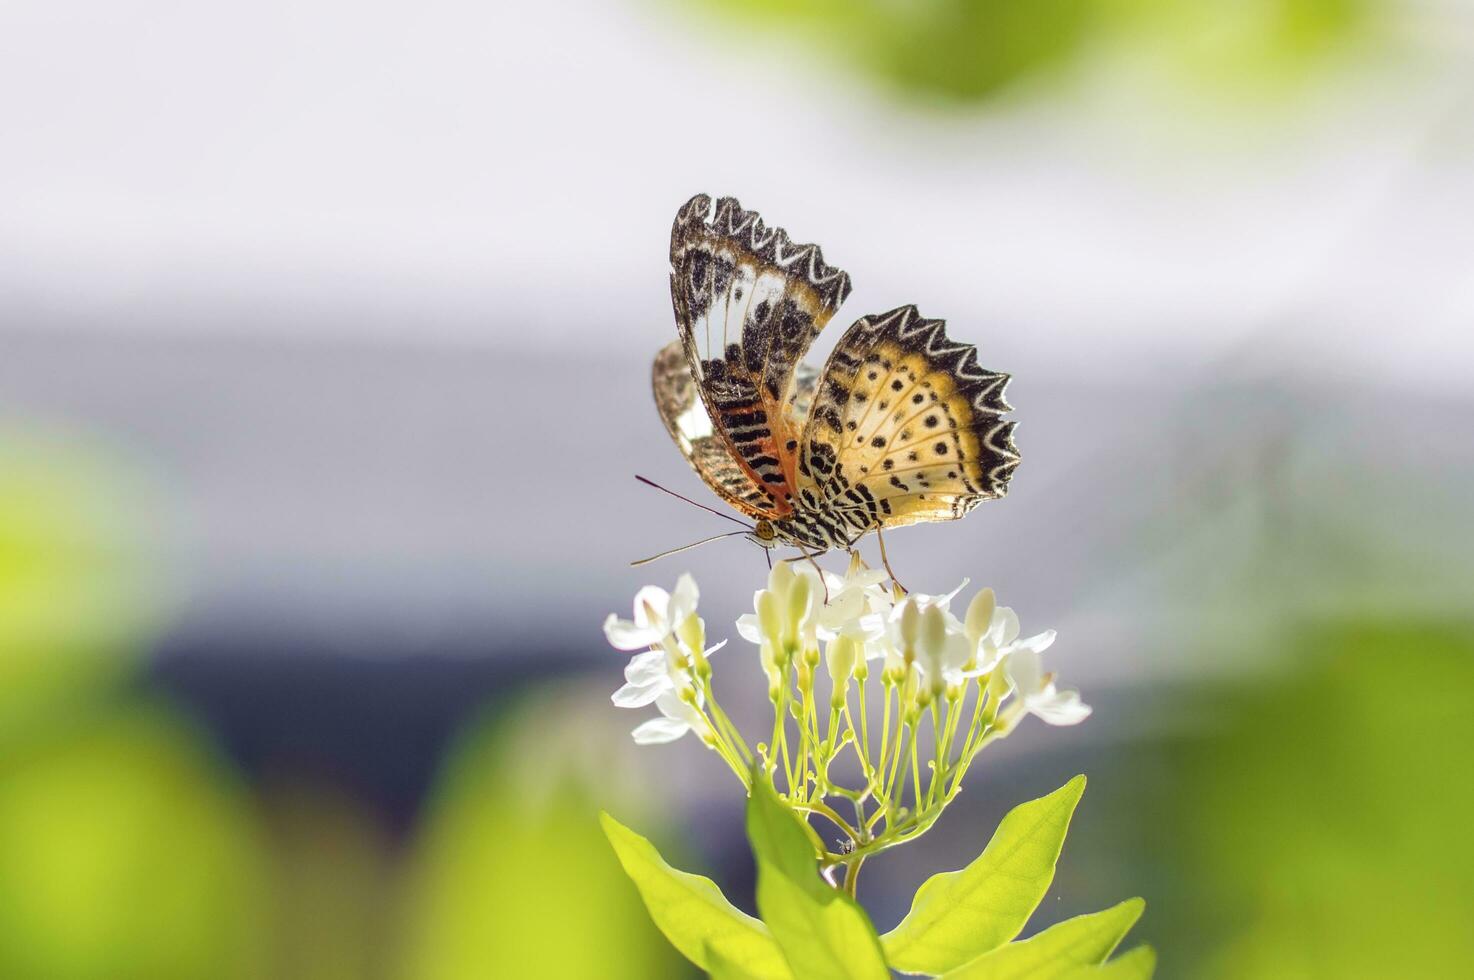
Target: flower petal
[1005, 627]
[647, 668]
[658, 731]
[943, 600]
[671, 705]
[625, 635]
[682, 600]
[1058, 707]
[1025, 671]
[652, 598]
[748, 628]
[1039, 642]
[955, 654]
[637, 695]
[988, 657]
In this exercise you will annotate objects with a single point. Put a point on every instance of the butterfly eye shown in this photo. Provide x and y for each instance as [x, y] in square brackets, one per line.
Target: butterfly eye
[764, 530]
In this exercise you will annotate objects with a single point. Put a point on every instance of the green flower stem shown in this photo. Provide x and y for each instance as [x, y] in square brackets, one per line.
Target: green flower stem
[937, 748]
[719, 745]
[849, 722]
[983, 715]
[907, 830]
[885, 737]
[957, 713]
[916, 769]
[903, 732]
[726, 728]
[827, 812]
[780, 728]
[988, 734]
[852, 877]
[804, 739]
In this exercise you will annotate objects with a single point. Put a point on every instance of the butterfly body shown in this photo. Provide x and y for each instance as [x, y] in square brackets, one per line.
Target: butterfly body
[901, 426]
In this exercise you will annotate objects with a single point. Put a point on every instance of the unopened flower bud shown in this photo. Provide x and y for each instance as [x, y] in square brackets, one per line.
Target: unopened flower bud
[693, 634]
[842, 655]
[799, 595]
[933, 632]
[780, 578]
[770, 617]
[770, 667]
[910, 622]
[980, 616]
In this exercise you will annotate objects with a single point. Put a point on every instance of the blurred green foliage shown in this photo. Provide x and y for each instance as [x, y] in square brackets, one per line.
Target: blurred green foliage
[127, 852]
[128, 849]
[333, 883]
[75, 595]
[1318, 827]
[515, 878]
[970, 51]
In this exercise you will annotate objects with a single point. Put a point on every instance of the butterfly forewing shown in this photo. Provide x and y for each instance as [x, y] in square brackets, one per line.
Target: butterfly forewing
[748, 303]
[905, 427]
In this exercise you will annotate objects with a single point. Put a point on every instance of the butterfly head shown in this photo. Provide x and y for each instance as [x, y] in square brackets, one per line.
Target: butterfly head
[763, 533]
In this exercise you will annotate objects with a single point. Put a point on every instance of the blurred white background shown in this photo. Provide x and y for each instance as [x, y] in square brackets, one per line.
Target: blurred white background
[372, 288]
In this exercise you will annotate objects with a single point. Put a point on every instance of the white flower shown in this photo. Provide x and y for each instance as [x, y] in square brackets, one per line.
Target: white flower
[857, 604]
[653, 673]
[901, 633]
[1035, 690]
[666, 625]
[942, 648]
[781, 611]
[677, 718]
[658, 614]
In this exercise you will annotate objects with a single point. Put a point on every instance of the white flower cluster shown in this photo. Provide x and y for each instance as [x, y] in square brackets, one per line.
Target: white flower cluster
[863, 621]
[858, 621]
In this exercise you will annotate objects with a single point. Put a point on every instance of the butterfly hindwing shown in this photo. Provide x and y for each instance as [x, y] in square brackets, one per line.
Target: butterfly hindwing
[905, 427]
[748, 303]
[687, 421]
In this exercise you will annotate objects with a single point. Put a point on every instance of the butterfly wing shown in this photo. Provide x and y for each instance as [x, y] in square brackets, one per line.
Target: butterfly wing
[686, 419]
[905, 427]
[748, 303]
[801, 396]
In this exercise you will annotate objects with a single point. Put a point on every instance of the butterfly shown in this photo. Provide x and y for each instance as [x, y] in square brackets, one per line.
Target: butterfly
[901, 426]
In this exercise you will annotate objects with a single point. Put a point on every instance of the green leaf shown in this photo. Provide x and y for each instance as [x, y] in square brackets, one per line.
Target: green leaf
[1058, 951]
[1139, 964]
[720, 967]
[692, 912]
[960, 915]
[822, 931]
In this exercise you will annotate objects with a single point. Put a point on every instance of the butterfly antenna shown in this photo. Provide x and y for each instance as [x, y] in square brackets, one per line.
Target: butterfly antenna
[710, 510]
[684, 547]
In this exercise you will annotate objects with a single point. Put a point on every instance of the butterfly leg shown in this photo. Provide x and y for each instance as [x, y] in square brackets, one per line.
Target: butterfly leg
[880, 538]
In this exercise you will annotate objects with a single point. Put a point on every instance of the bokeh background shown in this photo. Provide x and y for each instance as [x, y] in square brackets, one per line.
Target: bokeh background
[324, 344]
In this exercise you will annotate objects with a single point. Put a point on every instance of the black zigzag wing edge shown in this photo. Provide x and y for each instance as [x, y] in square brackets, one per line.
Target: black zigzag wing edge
[746, 230]
[984, 389]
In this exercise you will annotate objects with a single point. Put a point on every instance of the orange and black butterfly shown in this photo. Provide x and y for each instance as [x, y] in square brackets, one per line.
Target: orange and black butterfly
[901, 426]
